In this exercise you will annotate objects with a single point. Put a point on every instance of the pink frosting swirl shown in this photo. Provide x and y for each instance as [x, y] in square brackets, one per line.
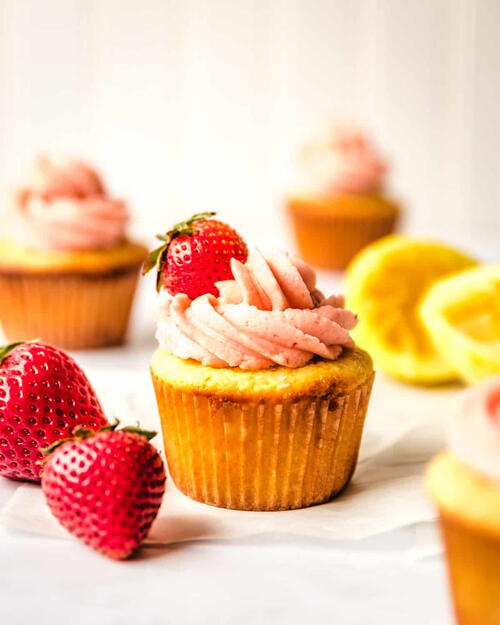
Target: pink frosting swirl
[271, 313]
[63, 205]
[346, 162]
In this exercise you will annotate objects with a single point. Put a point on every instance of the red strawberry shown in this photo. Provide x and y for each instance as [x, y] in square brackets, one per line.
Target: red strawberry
[195, 255]
[105, 487]
[43, 395]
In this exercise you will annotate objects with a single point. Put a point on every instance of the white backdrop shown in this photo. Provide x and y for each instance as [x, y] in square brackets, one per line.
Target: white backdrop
[188, 105]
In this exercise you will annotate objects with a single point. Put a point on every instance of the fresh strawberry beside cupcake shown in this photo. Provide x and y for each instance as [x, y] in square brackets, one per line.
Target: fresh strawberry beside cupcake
[105, 487]
[68, 271]
[44, 395]
[261, 391]
[102, 484]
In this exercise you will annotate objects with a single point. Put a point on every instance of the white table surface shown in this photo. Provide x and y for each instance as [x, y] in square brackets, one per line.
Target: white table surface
[263, 579]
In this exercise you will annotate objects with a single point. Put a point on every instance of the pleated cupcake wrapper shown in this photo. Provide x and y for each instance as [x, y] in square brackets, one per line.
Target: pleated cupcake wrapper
[73, 311]
[332, 241]
[261, 455]
[473, 559]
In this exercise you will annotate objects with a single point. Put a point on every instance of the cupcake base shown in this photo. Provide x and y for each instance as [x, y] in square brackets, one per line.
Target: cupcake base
[68, 309]
[473, 560]
[469, 511]
[331, 231]
[263, 454]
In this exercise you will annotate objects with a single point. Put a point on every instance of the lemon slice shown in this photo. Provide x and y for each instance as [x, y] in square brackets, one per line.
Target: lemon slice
[384, 285]
[462, 316]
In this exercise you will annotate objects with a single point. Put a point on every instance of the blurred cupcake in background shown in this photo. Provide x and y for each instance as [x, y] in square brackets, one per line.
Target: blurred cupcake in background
[465, 486]
[68, 273]
[340, 204]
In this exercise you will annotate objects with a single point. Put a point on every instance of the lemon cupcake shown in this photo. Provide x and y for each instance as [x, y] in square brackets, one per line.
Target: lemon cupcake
[261, 392]
[341, 204]
[67, 271]
[465, 485]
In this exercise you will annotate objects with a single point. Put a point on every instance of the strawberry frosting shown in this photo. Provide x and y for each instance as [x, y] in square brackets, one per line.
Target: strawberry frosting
[271, 313]
[345, 162]
[475, 431]
[63, 205]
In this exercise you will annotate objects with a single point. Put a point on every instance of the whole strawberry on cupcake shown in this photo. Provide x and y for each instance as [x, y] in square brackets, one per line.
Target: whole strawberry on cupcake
[262, 393]
[68, 272]
[194, 255]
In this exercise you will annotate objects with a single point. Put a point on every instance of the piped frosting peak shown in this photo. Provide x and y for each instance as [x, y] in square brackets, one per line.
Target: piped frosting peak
[270, 313]
[344, 161]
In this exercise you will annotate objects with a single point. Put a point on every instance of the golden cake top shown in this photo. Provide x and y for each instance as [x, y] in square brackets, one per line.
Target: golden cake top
[317, 378]
[464, 494]
[466, 481]
[17, 257]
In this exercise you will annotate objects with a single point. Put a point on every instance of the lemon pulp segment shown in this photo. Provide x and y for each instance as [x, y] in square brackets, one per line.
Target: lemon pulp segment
[384, 285]
[462, 315]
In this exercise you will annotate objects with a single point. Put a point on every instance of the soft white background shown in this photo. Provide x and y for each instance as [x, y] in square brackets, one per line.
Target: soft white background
[188, 105]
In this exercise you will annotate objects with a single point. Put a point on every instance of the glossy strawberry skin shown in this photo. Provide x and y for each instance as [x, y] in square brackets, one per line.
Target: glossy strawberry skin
[43, 395]
[195, 262]
[106, 490]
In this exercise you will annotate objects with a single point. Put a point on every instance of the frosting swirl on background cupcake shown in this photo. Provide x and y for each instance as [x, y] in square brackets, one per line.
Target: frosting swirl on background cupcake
[271, 313]
[345, 161]
[63, 205]
[475, 432]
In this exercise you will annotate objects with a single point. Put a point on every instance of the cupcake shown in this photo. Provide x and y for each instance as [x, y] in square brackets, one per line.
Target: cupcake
[465, 486]
[340, 205]
[68, 273]
[261, 391]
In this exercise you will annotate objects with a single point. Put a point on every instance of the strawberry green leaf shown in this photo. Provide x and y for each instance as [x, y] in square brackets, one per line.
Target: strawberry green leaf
[55, 445]
[81, 433]
[153, 259]
[7, 349]
[149, 434]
